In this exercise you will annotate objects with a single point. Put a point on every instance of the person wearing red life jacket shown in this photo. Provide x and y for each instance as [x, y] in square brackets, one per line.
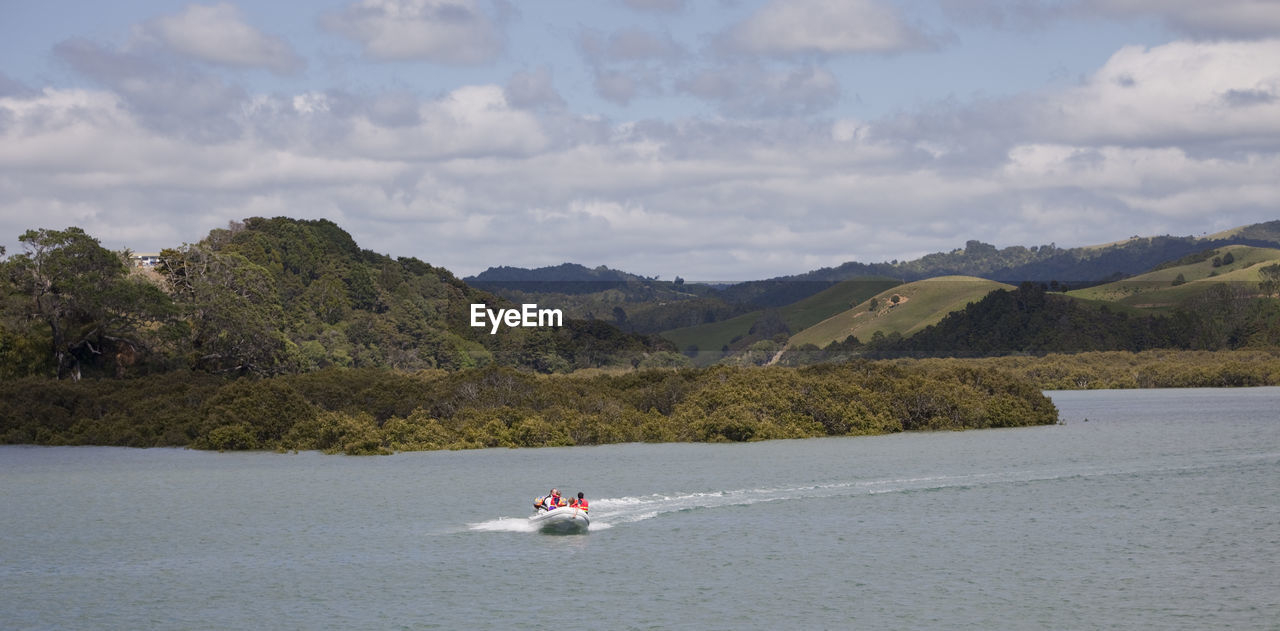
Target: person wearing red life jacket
[553, 500]
[580, 502]
[550, 501]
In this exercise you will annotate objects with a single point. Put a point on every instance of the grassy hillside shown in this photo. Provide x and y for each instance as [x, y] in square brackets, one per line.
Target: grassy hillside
[917, 305]
[1161, 289]
[1266, 231]
[797, 316]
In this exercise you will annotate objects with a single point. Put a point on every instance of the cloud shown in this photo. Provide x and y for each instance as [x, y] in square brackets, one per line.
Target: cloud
[1221, 18]
[1220, 93]
[12, 87]
[1235, 19]
[630, 44]
[820, 27]
[1205, 97]
[396, 109]
[442, 31]
[629, 63]
[470, 181]
[749, 90]
[661, 6]
[1158, 139]
[218, 34]
[622, 86]
[166, 96]
[532, 89]
[1246, 98]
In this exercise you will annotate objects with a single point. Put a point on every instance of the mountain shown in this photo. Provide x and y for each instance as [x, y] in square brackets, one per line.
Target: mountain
[825, 305]
[276, 296]
[1014, 264]
[566, 278]
[762, 324]
[632, 303]
[1032, 320]
[904, 310]
[1177, 283]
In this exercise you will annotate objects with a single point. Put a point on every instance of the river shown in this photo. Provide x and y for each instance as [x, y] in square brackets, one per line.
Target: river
[1145, 509]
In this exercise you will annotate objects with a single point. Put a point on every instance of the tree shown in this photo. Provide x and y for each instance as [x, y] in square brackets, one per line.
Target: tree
[231, 307]
[1270, 279]
[84, 294]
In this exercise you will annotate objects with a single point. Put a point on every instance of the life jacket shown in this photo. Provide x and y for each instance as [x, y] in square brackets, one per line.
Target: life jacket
[546, 502]
[582, 504]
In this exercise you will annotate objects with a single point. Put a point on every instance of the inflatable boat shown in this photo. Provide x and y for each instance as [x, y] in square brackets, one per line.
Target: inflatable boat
[561, 520]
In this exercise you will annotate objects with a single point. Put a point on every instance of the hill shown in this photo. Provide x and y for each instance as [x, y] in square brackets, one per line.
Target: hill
[904, 310]
[1033, 320]
[1181, 281]
[1258, 234]
[632, 303]
[271, 296]
[566, 278]
[712, 338]
[1013, 264]
[708, 322]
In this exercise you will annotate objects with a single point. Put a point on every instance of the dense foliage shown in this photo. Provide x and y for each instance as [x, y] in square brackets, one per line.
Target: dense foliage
[632, 303]
[653, 306]
[1148, 369]
[1032, 320]
[363, 411]
[266, 297]
[284, 334]
[77, 305]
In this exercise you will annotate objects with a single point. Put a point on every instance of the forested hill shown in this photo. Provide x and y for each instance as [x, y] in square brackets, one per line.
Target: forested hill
[266, 296]
[1014, 264]
[566, 278]
[1032, 320]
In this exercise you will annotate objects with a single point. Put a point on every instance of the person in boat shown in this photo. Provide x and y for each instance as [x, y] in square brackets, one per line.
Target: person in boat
[551, 501]
[579, 502]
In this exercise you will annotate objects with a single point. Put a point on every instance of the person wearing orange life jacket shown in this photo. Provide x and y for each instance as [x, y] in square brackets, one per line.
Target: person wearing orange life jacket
[551, 501]
[579, 503]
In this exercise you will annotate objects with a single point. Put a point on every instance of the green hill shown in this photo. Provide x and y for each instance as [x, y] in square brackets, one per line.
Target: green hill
[797, 316]
[266, 297]
[904, 309]
[1174, 284]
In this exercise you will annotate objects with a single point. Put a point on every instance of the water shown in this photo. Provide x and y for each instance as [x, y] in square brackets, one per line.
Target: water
[1162, 510]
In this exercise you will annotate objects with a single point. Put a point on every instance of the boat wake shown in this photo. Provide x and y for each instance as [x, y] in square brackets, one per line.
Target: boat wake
[504, 524]
[609, 512]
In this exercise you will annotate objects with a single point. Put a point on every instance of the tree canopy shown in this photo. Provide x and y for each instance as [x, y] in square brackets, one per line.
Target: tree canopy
[84, 302]
[265, 297]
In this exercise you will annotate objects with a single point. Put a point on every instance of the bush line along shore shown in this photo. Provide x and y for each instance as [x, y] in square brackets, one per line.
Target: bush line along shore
[367, 411]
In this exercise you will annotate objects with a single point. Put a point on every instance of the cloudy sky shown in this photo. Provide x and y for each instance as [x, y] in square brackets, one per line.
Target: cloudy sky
[711, 139]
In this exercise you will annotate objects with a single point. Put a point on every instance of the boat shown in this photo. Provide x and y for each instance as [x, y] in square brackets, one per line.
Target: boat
[561, 520]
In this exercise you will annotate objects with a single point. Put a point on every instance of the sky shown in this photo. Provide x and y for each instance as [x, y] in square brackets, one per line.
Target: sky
[716, 140]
